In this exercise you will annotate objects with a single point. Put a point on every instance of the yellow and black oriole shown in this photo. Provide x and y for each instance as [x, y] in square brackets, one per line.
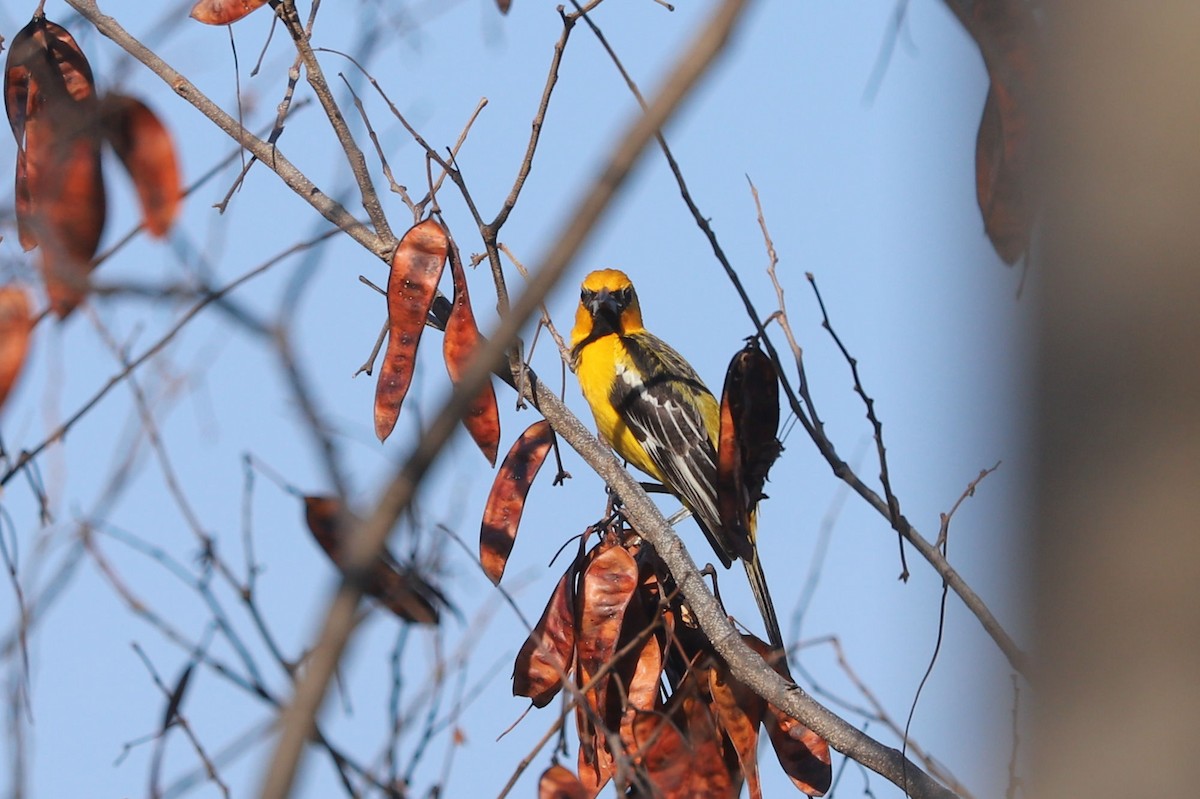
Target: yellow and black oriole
[656, 412]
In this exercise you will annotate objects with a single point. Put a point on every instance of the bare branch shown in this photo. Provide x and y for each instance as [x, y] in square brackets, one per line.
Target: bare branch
[895, 517]
[265, 152]
[28, 455]
[316, 79]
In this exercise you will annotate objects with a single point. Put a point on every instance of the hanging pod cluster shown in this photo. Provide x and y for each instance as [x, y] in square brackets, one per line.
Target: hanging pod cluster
[417, 266]
[649, 689]
[59, 124]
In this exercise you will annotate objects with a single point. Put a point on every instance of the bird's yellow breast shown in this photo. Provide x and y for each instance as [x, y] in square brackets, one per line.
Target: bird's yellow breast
[600, 364]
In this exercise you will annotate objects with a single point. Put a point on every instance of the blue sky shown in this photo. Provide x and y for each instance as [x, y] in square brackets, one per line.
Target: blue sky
[874, 196]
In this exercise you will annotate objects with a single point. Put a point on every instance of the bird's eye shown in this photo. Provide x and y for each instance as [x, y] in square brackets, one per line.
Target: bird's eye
[586, 296]
[626, 295]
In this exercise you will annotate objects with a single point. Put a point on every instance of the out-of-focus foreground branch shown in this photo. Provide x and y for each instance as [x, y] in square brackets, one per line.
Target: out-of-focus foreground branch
[1117, 555]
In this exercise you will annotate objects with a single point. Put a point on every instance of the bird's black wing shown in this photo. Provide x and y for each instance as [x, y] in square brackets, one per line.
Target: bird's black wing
[663, 402]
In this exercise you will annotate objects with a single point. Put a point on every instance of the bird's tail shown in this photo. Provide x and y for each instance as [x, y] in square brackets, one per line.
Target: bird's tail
[762, 595]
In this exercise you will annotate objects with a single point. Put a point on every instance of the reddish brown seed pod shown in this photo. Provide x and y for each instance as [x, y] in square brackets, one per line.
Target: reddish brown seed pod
[710, 774]
[412, 284]
[44, 54]
[557, 782]
[399, 589]
[682, 751]
[16, 323]
[746, 444]
[739, 712]
[224, 12]
[732, 499]
[640, 671]
[461, 340]
[506, 501]
[69, 208]
[1000, 172]
[146, 149]
[662, 751]
[545, 659]
[1003, 145]
[752, 385]
[596, 763]
[802, 753]
[23, 204]
[606, 588]
[640, 686]
[642, 692]
[50, 100]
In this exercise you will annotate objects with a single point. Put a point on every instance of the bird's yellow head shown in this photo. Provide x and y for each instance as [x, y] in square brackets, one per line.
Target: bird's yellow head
[607, 304]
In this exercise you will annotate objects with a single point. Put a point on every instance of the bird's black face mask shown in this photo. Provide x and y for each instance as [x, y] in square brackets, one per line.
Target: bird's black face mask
[606, 308]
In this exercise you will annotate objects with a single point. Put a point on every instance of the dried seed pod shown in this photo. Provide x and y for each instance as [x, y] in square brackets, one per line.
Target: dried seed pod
[462, 339]
[756, 411]
[546, 657]
[662, 751]
[16, 323]
[557, 782]
[506, 501]
[51, 103]
[802, 753]
[732, 498]
[412, 284]
[398, 588]
[746, 442]
[606, 588]
[145, 147]
[224, 12]
[682, 751]
[1003, 145]
[738, 711]
[641, 671]
[596, 763]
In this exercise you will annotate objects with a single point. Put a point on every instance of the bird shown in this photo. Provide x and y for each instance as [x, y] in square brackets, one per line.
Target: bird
[652, 407]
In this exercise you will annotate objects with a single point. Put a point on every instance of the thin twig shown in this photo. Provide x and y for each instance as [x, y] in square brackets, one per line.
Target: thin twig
[387, 168]
[178, 719]
[462, 138]
[369, 364]
[28, 455]
[780, 317]
[876, 712]
[1014, 780]
[316, 79]
[563, 350]
[281, 113]
[895, 517]
[943, 541]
